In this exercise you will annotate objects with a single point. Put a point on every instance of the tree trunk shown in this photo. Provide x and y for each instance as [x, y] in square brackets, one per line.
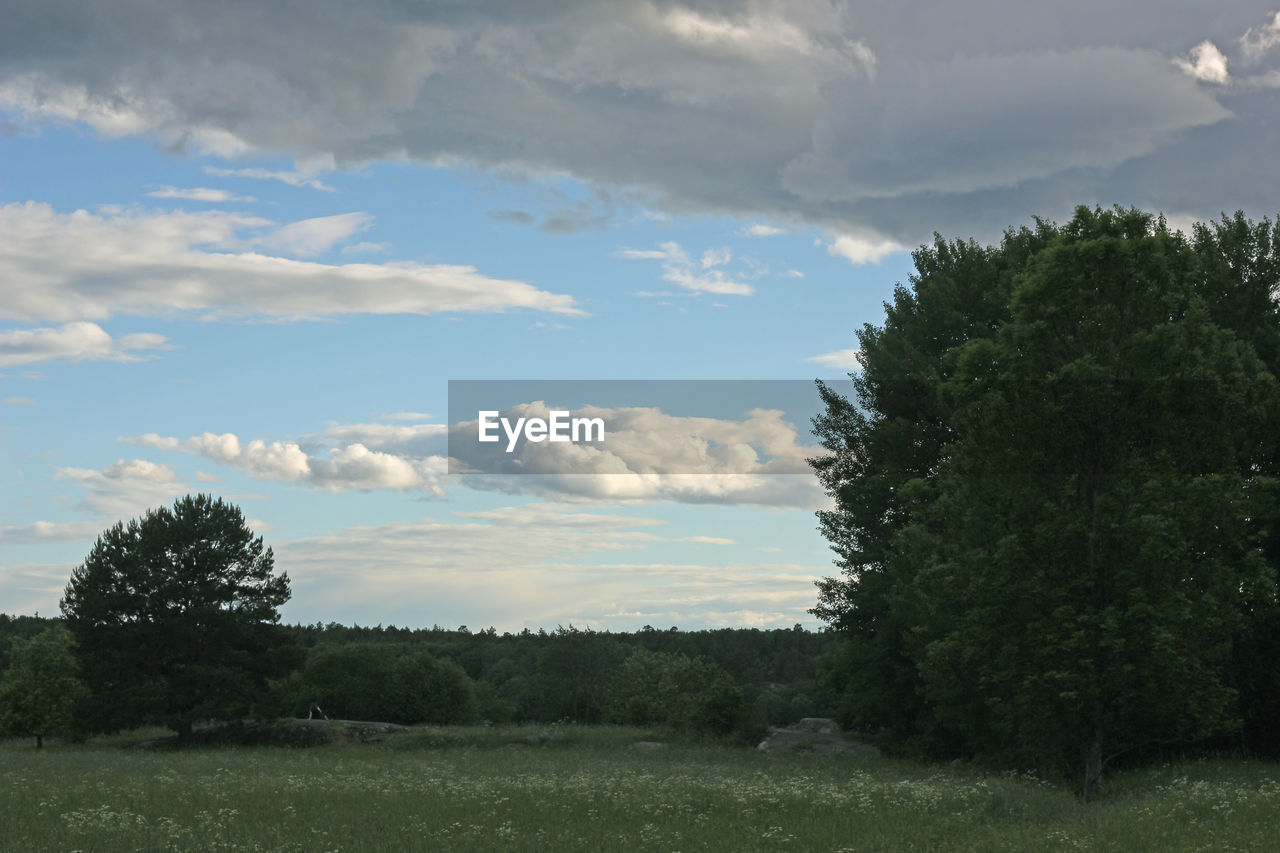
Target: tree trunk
[184, 731]
[39, 741]
[1091, 777]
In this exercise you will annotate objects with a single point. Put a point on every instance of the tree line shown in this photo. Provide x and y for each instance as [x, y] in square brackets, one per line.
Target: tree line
[172, 619]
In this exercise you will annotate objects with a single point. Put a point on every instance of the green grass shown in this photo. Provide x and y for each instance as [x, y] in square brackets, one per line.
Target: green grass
[592, 791]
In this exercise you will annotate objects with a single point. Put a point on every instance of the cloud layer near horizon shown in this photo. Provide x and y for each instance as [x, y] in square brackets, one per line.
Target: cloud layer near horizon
[887, 120]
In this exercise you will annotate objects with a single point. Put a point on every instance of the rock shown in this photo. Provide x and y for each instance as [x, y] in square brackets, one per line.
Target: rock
[372, 728]
[545, 737]
[818, 725]
[304, 733]
[289, 733]
[648, 744]
[813, 743]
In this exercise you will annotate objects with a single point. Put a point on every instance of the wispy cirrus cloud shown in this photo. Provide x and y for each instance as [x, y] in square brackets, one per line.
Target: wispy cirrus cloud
[292, 178]
[699, 276]
[198, 194]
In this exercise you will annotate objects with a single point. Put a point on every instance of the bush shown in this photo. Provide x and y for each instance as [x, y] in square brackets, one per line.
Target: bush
[366, 681]
[668, 688]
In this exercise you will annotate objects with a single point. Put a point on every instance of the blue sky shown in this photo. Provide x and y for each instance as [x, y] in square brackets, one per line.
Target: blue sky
[246, 257]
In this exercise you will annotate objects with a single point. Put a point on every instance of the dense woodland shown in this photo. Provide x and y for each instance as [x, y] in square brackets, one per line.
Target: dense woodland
[438, 675]
[1057, 497]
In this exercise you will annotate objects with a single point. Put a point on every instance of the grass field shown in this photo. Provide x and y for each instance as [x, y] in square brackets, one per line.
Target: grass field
[477, 789]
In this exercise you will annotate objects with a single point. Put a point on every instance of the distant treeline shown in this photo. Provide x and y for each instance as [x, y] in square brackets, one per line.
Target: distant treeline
[731, 681]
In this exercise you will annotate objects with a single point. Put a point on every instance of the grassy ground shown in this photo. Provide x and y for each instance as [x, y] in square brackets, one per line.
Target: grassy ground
[592, 791]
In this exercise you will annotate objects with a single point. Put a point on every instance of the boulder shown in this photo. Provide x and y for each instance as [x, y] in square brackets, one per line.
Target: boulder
[813, 743]
[545, 737]
[818, 725]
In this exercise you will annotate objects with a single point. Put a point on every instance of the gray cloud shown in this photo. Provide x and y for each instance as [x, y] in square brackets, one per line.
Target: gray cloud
[889, 120]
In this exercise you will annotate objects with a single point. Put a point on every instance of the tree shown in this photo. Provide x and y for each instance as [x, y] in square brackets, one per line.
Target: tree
[379, 681]
[1052, 531]
[175, 617]
[669, 688]
[41, 688]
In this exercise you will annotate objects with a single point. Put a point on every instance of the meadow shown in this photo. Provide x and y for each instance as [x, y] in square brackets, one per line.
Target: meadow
[590, 789]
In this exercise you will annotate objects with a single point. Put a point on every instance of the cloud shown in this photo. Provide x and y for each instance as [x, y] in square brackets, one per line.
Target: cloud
[848, 118]
[309, 237]
[1206, 64]
[1259, 41]
[708, 540]
[365, 248]
[198, 194]
[862, 250]
[715, 258]
[49, 532]
[532, 565]
[125, 489]
[89, 266]
[352, 466]
[841, 359]
[936, 139]
[19, 401]
[73, 342]
[761, 230]
[649, 455]
[33, 587]
[420, 439]
[293, 179]
[697, 276]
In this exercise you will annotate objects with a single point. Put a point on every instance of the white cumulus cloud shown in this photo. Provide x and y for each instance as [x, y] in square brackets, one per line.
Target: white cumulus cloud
[73, 342]
[1206, 63]
[862, 250]
[352, 466]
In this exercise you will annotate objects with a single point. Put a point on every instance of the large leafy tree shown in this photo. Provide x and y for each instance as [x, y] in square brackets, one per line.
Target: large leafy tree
[1056, 552]
[41, 688]
[175, 617]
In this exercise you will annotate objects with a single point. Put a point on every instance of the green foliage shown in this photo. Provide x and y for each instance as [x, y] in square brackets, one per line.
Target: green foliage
[175, 617]
[664, 688]
[575, 675]
[41, 686]
[369, 681]
[1056, 498]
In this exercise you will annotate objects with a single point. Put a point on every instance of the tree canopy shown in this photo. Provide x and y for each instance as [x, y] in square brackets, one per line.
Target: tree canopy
[175, 617]
[1055, 493]
[41, 688]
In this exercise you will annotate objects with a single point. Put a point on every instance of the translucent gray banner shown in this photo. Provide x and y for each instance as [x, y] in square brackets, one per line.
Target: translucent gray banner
[651, 428]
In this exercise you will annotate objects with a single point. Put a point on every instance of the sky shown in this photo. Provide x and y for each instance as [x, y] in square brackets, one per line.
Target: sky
[245, 248]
